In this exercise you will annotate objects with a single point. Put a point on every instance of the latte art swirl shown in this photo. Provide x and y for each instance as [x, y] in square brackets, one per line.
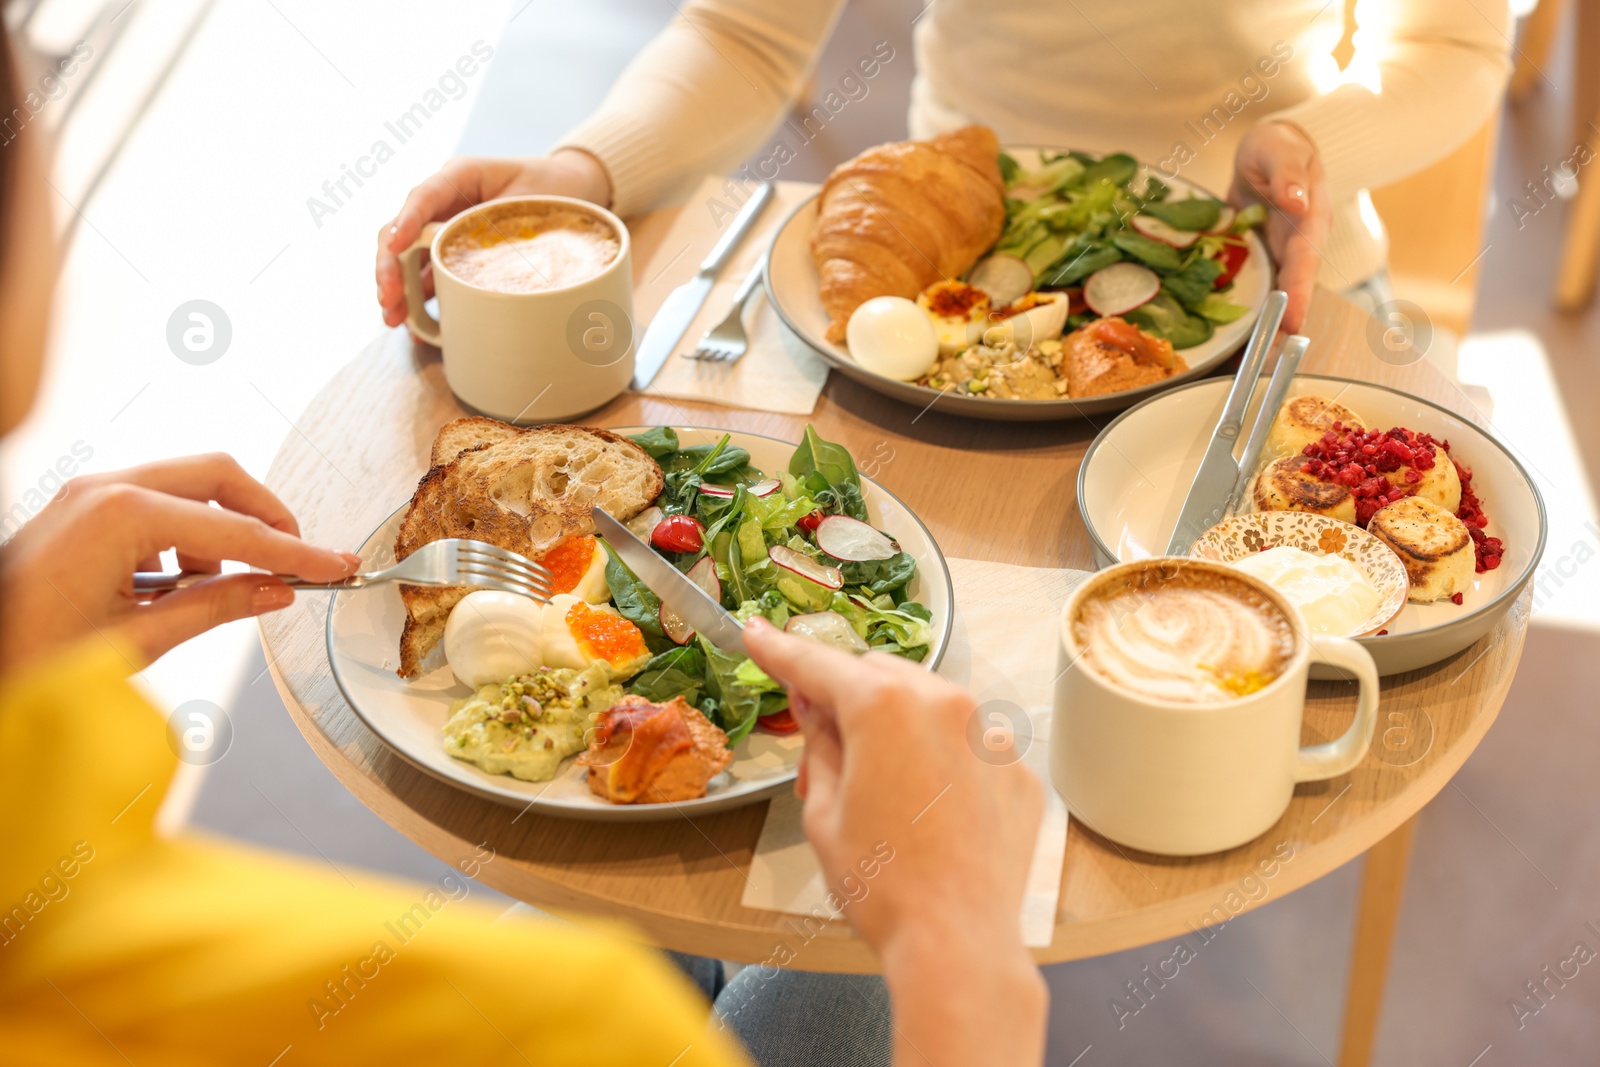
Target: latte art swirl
[1201, 639]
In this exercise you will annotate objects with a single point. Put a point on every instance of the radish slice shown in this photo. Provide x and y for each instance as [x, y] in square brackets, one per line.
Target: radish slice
[703, 574]
[806, 567]
[829, 627]
[1224, 220]
[765, 487]
[1120, 287]
[644, 523]
[1165, 232]
[712, 489]
[1006, 279]
[674, 627]
[845, 538]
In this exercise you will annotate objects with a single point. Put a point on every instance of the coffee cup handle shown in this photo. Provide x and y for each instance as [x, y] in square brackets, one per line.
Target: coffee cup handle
[1343, 753]
[422, 324]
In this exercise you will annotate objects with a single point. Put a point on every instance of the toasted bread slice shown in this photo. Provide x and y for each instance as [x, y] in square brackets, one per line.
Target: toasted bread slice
[1283, 486]
[1303, 420]
[1433, 544]
[463, 435]
[524, 490]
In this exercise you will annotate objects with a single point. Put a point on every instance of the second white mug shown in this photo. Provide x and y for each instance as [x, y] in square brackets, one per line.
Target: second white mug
[1187, 778]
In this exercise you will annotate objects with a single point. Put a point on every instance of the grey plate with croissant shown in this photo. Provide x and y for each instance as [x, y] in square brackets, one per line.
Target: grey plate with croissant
[794, 288]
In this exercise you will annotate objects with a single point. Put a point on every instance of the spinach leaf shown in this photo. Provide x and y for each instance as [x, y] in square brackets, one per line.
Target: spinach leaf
[1194, 283]
[1155, 190]
[844, 499]
[634, 600]
[816, 456]
[1079, 264]
[1117, 168]
[879, 576]
[674, 673]
[658, 441]
[712, 459]
[1192, 214]
[1153, 254]
[738, 703]
[1165, 317]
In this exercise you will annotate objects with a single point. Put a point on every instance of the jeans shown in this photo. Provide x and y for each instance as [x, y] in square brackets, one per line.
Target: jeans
[798, 1018]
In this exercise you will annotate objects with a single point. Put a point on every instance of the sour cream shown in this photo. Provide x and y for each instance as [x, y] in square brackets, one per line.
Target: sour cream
[1330, 591]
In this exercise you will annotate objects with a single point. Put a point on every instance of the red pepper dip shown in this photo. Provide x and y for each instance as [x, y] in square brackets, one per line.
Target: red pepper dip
[1364, 461]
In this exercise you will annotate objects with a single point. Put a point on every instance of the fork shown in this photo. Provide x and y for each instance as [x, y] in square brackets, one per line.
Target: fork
[726, 341]
[451, 561]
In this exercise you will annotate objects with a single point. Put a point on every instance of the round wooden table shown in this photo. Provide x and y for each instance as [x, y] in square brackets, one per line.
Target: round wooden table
[362, 444]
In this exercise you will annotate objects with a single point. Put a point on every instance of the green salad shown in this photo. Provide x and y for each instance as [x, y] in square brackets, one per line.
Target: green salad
[1074, 216]
[757, 542]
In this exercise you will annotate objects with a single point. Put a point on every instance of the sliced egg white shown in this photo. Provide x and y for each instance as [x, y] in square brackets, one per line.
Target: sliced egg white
[491, 636]
[592, 586]
[1042, 322]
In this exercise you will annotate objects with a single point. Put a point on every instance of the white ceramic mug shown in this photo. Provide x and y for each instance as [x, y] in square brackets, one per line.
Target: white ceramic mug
[1183, 779]
[535, 357]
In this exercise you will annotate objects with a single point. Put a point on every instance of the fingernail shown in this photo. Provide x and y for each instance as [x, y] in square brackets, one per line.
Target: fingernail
[758, 622]
[352, 562]
[270, 596]
[1295, 192]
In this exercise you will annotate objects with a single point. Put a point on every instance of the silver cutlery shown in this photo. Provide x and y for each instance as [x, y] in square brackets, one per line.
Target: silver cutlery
[693, 604]
[1212, 493]
[683, 303]
[1289, 357]
[452, 561]
[726, 341]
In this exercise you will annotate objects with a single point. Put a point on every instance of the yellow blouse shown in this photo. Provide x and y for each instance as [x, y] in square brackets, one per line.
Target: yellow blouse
[118, 945]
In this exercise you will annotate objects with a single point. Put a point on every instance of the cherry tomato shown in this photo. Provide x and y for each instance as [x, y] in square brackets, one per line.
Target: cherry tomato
[780, 722]
[1233, 257]
[809, 523]
[680, 533]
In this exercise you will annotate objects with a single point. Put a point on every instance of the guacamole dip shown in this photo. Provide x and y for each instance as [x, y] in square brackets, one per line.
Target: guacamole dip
[525, 726]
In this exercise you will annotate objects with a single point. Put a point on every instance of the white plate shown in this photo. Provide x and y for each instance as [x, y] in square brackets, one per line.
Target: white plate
[794, 290]
[1129, 498]
[409, 716]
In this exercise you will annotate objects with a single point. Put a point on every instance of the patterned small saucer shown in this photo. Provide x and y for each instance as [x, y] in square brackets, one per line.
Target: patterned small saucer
[1245, 535]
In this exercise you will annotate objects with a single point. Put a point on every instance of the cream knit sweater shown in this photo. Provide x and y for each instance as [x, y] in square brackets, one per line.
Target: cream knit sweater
[1175, 84]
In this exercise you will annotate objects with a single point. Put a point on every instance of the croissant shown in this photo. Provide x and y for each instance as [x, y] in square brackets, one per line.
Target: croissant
[901, 216]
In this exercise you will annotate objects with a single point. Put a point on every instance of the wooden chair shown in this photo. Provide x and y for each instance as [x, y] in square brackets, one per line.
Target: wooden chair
[1580, 253]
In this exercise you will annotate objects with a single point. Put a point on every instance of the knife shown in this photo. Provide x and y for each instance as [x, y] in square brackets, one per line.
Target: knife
[709, 618]
[1212, 492]
[1289, 357]
[684, 302]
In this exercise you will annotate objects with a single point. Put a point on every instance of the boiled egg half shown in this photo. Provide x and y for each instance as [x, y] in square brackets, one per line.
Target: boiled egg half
[575, 634]
[958, 311]
[892, 336]
[491, 636]
[578, 566]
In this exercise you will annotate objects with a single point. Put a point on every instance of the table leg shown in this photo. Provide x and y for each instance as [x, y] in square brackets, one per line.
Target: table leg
[1382, 884]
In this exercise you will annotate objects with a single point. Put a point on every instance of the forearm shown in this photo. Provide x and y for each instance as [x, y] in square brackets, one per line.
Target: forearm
[702, 94]
[960, 997]
[1423, 85]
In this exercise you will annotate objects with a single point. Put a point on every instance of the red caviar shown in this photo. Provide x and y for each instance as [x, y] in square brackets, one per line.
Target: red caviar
[605, 636]
[568, 561]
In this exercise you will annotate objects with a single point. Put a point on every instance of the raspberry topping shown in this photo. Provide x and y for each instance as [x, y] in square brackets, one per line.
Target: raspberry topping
[1361, 460]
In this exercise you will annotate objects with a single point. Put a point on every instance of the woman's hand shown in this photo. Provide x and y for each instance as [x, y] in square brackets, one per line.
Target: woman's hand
[928, 844]
[1277, 165]
[69, 571]
[465, 182]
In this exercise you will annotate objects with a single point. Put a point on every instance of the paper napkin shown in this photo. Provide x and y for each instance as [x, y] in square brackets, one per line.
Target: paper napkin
[779, 372]
[1002, 650]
